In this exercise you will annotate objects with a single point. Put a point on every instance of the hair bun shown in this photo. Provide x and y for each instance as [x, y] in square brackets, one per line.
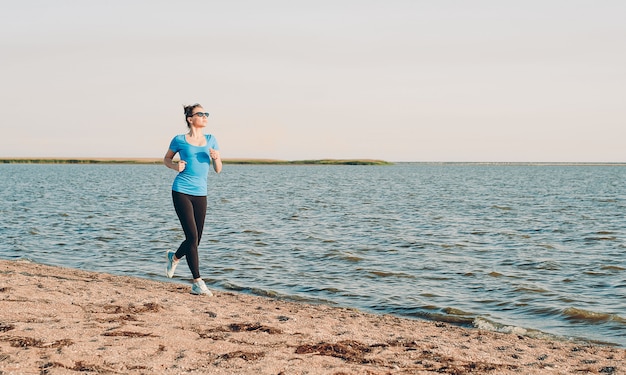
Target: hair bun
[189, 108]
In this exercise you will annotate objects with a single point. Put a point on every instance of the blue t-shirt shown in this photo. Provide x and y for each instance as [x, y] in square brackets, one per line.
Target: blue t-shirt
[193, 179]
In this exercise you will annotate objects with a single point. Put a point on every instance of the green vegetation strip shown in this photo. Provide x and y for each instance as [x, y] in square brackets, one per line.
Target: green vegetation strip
[309, 162]
[226, 161]
[78, 161]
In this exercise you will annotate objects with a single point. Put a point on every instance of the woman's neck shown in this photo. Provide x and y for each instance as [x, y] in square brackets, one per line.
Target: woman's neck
[195, 132]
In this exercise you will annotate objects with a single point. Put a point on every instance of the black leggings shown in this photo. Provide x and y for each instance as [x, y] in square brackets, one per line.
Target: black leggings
[191, 211]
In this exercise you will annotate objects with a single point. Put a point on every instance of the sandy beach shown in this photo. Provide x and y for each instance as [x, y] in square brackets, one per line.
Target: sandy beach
[63, 321]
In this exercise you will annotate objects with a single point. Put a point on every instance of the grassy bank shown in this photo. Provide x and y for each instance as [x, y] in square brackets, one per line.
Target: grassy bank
[308, 162]
[79, 161]
[158, 161]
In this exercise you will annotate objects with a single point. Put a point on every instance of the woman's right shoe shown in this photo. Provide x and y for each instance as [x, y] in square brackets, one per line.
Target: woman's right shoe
[171, 264]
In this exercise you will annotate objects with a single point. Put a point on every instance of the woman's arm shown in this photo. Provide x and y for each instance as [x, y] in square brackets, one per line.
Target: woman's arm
[217, 160]
[167, 160]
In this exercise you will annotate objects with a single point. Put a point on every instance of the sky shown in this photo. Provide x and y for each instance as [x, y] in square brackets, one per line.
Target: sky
[397, 80]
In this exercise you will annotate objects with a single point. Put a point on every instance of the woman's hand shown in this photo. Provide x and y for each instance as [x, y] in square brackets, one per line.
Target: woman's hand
[181, 165]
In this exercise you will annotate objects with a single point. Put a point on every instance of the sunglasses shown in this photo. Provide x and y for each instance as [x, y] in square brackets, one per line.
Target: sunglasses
[201, 114]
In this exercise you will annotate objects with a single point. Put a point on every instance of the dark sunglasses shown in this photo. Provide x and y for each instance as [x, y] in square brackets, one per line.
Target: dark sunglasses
[201, 114]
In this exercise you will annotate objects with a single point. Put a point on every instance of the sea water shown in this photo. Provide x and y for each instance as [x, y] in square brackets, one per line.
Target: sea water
[534, 249]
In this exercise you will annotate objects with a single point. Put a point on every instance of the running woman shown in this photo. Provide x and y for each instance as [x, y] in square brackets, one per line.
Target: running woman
[197, 152]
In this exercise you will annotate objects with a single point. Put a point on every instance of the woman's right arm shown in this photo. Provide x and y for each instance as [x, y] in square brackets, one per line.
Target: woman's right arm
[167, 160]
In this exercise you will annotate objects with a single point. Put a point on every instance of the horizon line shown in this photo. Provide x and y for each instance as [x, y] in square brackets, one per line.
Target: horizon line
[152, 160]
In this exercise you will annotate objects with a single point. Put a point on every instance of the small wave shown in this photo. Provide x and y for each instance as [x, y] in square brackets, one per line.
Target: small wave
[594, 273]
[478, 233]
[391, 274]
[25, 260]
[572, 313]
[549, 265]
[606, 200]
[613, 268]
[487, 325]
[227, 285]
[433, 313]
[503, 208]
[530, 290]
[547, 246]
[252, 231]
[604, 238]
[453, 311]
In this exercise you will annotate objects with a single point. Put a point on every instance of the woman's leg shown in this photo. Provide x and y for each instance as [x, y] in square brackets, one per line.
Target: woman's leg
[191, 213]
[199, 212]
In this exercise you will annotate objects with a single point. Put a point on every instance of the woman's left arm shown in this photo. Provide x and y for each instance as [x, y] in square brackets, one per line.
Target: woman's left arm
[217, 160]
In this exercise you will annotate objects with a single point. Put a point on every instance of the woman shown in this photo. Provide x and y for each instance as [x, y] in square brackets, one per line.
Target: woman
[189, 191]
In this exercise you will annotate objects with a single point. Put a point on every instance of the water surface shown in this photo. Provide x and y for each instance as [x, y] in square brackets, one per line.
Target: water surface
[539, 250]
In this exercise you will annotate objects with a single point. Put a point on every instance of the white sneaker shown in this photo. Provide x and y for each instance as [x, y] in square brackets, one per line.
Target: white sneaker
[200, 288]
[171, 264]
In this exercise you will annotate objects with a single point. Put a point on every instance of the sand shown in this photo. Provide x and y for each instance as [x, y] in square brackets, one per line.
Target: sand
[64, 321]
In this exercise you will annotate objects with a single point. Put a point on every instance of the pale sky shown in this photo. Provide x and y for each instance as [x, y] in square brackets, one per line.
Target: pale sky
[412, 80]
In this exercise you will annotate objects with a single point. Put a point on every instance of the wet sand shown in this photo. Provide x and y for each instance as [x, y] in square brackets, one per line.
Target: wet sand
[64, 321]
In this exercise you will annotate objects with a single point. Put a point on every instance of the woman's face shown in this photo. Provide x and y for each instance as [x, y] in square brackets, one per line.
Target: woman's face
[198, 118]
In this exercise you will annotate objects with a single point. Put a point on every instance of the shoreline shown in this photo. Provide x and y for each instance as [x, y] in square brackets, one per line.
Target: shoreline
[59, 320]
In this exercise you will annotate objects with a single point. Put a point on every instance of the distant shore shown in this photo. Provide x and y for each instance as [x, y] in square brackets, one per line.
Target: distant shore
[159, 161]
[244, 161]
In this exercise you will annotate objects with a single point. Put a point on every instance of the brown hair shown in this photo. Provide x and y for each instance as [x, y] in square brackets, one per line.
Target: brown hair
[189, 111]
